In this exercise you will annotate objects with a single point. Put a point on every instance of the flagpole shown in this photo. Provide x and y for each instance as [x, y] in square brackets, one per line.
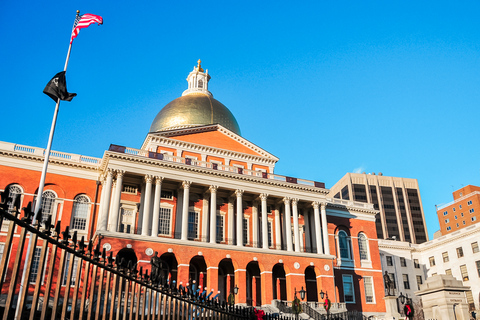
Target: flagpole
[41, 186]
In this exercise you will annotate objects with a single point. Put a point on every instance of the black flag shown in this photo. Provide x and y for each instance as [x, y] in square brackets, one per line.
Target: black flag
[57, 88]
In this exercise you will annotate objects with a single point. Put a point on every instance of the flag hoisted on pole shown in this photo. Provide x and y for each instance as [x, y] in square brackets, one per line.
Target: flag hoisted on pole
[84, 21]
[57, 90]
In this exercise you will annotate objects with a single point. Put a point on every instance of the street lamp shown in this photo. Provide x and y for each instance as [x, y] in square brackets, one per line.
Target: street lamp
[402, 298]
[235, 290]
[322, 294]
[302, 293]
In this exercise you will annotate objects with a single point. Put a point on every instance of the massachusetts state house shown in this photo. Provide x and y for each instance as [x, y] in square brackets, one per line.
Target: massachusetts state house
[208, 203]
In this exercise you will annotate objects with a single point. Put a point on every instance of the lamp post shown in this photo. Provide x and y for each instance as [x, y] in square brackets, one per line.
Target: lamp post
[322, 296]
[235, 291]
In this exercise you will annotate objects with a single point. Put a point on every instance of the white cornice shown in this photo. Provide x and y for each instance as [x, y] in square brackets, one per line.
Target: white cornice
[211, 172]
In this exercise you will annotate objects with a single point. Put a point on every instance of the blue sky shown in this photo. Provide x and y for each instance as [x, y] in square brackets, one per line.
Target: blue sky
[329, 87]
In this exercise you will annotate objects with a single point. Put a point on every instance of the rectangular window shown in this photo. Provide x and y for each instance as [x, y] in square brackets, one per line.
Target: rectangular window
[348, 288]
[456, 217]
[245, 231]
[166, 194]
[165, 217]
[460, 206]
[389, 260]
[445, 257]
[219, 233]
[35, 265]
[416, 264]
[478, 267]
[269, 234]
[406, 284]
[126, 221]
[454, 209]
[445, 213]
[474, 218]
[464, 272]
[448, 272]
[368, 283]
[403, 262]
[2, 248]
[449, 228]
[469, 203]
[471, 210]
[474, 247]
[432, 261]
[460, 252]
[192, 225]
[447, 220]
[419, 282]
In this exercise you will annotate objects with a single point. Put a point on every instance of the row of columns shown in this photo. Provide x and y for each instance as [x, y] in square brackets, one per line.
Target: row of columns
[110, 213]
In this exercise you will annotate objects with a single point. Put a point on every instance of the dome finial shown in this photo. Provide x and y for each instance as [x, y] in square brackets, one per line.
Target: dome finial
[199, 67]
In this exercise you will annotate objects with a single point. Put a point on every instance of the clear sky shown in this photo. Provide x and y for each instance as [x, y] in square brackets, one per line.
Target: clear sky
[329, 87]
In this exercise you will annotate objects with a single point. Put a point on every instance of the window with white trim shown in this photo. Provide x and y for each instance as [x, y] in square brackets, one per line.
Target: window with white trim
[363, 246]
[80, 212]
[445, 256]
[459, 252]
[419, 281]
[348, 293]
[469, 203]
[192, 225]
[474, 219]
[471, 210]
[219, 230]
[32, 278]
[48, 205]
[2, 249]
[406, 283]
[464, 272]
[445, 213]
[164, 218]
[15, 192]
[245, 231]
[344, 245]
[369, 294]
[270, 234]
[127, 220]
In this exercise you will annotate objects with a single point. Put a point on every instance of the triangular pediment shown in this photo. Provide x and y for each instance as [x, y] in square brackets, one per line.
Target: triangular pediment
[214, 136]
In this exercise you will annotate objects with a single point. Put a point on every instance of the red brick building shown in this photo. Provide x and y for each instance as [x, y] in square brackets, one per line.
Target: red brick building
[462, 212]
[209, 203]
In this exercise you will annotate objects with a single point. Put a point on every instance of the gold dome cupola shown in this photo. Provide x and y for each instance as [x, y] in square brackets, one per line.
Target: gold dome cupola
[198, 81]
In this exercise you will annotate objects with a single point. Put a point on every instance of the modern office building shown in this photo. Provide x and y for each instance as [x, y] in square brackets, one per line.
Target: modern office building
[208, 202]
[462, 212]
[398, 200]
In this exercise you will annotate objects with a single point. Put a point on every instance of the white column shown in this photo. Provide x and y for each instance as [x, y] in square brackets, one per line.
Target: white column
[255, 228]
[263, 197]
[156, 206]
[147, 202]
[278, 230]
[325, 229]
[318, 229]
[288, 224]
[296, 232]
[231, 222]
[106, 193]
[185, 206]
[116, 201]
[213, 214]
[239, 194]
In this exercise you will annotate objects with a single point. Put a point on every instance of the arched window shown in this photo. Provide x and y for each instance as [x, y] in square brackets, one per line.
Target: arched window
[363, 246]
[80, 212]
[48, 204]
[15, 197]
[344, 245]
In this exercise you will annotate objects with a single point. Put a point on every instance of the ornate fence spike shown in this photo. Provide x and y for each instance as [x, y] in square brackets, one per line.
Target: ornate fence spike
[81, 245]
[96, 253]
[66, 236]
[140, 274]
[104, 255]
[74, 240]
[48, 225]
[110, 260]
[57, 230]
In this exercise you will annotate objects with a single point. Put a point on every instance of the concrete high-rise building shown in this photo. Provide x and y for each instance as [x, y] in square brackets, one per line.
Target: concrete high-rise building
[398, 200]
[462, 212]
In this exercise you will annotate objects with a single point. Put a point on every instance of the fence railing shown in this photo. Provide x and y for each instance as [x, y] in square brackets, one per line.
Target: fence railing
[82, 282]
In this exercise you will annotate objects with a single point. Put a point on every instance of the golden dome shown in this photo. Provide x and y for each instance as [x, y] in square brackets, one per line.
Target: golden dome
[196, 107]
[194, 110]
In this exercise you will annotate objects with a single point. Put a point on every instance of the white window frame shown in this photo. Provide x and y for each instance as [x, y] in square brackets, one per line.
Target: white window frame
[53, 206]
[74, 206]
[197, 213]
[222, 215]
[6, 223]
[366, 263]
[39, 248]
[246, 224]
[471, 210]
[348, 276]
[131, 207]
[469, 203]
[365, 288]
[347, 261]
[74, 271]
[445, 213]
[169, 207]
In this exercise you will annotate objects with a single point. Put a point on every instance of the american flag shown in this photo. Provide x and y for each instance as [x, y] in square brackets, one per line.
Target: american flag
[84, 21]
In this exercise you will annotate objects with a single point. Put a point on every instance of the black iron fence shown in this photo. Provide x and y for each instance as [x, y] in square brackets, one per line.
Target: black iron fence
[70, 278]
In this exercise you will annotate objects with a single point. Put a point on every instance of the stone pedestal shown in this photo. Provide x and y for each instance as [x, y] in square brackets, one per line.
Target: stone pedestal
[391, 308]
[443, 298]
